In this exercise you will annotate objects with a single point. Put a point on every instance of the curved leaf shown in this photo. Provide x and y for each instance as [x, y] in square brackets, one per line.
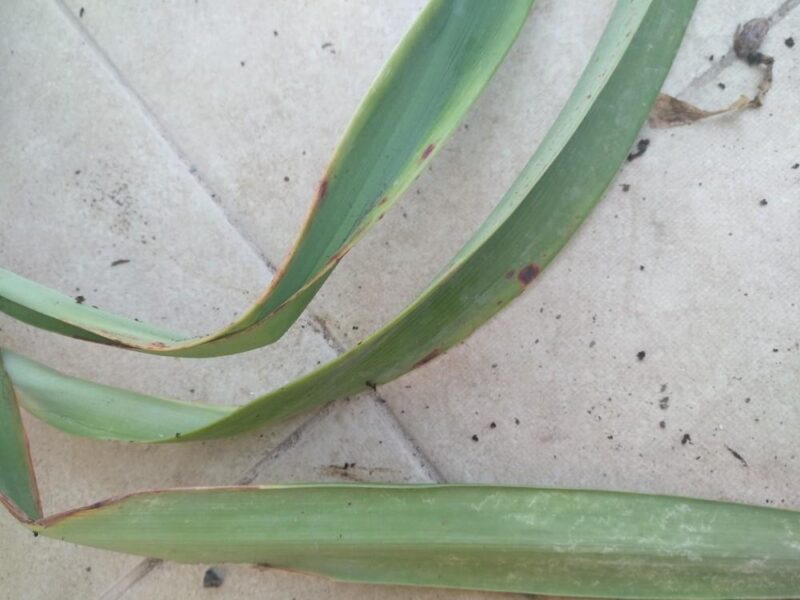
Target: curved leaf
[425, 88]
[554, 193]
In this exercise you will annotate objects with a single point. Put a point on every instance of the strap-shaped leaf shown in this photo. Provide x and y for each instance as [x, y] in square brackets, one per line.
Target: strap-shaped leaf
[18, 491]
[426, 87]
[563, 181]
[575, 543]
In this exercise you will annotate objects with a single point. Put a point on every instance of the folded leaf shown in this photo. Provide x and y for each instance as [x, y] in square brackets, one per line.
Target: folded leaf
[552, 196]
[425, 88]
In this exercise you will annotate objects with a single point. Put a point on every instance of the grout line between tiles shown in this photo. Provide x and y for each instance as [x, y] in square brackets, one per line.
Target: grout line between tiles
[151, 119]
[162, 132]
[120, 587]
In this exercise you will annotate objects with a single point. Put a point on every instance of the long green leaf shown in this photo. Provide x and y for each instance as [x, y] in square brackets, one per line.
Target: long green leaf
[551, 197]
[18, 491]
[575, 543]
[426, 87]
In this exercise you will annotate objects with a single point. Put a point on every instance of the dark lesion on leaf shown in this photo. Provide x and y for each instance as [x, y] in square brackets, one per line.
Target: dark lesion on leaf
[528, 273]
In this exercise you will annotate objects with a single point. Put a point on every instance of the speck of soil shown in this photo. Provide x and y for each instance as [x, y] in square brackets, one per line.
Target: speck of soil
[737, 456]
[796, 166]
[641, 148]
[286, 178]
[641, 267]
[80, 299]
[763, 202]
[686, 439]
[275, 32]
[721, 85]
[626, 187]
[662, 424]
[492, 425]
[516, 421]
[663, 404]
[120, 261]
[474, 437]
[212, 578]
[641, 354]
[789, 42]
[242, 63]
[80, 12]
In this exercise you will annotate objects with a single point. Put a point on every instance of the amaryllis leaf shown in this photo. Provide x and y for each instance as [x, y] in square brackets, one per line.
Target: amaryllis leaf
[425, 88]
[551, 197]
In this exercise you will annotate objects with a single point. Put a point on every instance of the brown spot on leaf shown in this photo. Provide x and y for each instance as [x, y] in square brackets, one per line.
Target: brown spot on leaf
[427, 358]
[528, 274]
[321, 191]
[158, 345]
[427, 152]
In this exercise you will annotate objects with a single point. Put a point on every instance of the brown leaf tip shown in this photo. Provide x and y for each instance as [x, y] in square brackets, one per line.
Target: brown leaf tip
[427, 152]
[428, 357]
[528, 273]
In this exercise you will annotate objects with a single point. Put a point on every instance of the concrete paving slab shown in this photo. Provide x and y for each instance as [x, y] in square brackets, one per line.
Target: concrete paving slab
[161, 107]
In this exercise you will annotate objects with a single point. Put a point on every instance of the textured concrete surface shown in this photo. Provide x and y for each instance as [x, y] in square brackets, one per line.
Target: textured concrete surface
[188, 138]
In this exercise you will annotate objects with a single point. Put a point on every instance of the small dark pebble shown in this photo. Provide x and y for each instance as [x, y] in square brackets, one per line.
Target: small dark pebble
[686, 439]
[641, 267]
[763, 202]
[474, 437]
[81, 11]
[663, 404]
[796, 166]
[641, 354]
[789, 42]
[242, 63]
[286, 178]
[516, 421]
[662, 424]
[212, 579]
[120, 261]
[641, 148]
[80, 299]
[626, 187]
[492, 425]
[721, 85]
[275, 32]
